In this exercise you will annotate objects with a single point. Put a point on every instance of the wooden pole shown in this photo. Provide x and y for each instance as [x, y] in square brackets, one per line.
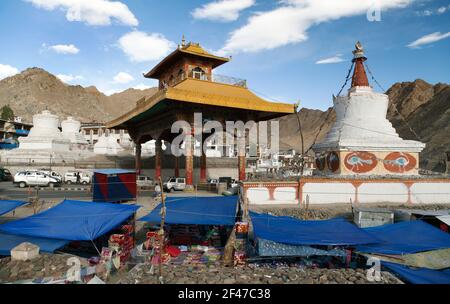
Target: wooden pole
[161, 230]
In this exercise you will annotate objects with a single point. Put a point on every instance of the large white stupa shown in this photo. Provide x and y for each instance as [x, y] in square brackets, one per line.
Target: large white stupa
[362, 140]
[46, 142]
[45, 134]
[71, 131]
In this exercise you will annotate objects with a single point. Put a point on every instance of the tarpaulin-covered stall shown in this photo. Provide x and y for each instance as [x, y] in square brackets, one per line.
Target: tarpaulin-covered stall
[114, 185]
[196, 211]
[8, 206]
[197, 227]
[419, 275]
[72, 221]
[288, 236]
[406, 238]
[10, 241]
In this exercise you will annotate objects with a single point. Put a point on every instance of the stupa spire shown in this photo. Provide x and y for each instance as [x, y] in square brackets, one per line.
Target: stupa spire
[359, 74]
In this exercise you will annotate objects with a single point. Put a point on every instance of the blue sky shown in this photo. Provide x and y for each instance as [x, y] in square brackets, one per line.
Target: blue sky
[276, 45]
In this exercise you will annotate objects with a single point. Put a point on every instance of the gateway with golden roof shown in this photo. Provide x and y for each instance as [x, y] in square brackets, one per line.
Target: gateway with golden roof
[187, 85]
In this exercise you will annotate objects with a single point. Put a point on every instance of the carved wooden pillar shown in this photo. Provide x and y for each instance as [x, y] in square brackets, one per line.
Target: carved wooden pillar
[158, 159]
[190, 146]
[177, 166]
[138, 158]
[242, 166]
[203, 167]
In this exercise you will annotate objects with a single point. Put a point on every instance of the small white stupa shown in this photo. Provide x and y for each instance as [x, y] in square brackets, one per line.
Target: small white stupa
[71, 131]
[45, 135]
[107, 145]
[362, 140]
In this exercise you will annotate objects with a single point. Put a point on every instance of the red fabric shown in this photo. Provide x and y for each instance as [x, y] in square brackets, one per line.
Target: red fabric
[173, 251]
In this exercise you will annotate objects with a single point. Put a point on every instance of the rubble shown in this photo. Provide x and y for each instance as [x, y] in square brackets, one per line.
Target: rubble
[45, 266]
[251, 274]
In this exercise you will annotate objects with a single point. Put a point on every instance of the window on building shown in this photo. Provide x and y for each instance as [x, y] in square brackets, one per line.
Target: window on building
[198, 73]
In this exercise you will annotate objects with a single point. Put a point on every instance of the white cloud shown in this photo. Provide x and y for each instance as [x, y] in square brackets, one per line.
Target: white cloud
[64, 49]
[222, 10]
[290, 22]
[427, 39]
[7, 71]
[334, 59]
[69, 78]
[141, 47]
[430, 12]
[91, 12]
[123, 78]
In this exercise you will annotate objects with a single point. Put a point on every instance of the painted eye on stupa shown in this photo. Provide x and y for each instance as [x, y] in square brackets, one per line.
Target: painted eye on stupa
[399, 162]
[360, 162]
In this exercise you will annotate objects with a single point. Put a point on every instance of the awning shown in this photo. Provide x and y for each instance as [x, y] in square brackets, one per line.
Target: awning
[289, 230]
[196, 211]
[72, 220]
[420, 275]
[8, 206]
[444, 218]
[406, 237]
[9, 241]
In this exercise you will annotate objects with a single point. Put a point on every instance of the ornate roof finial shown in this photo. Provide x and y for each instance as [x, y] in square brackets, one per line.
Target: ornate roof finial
[359, 51]
[359, 78]
[183, 41]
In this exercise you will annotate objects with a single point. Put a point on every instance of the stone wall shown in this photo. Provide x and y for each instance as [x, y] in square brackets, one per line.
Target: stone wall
[345, 190]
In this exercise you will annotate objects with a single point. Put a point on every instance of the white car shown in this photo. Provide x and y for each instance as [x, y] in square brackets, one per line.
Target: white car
[52, 174]
[35, 178]
[144, 181]
[71, 178]
[175, 184]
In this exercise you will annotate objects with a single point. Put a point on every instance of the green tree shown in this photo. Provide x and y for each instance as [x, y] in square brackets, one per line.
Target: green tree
[7, 113]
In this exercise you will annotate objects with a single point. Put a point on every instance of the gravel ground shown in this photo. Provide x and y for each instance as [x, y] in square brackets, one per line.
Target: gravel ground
[335, 210]
[45, 266]
[251, 274]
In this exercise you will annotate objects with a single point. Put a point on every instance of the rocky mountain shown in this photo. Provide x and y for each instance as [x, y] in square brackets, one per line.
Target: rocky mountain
[417, 110]
[35, 90]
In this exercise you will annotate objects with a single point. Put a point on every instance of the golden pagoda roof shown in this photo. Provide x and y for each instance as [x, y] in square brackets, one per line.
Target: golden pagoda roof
[194, 49]
[206, 93]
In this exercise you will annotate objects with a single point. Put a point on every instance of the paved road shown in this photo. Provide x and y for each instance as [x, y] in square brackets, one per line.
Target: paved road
[10, 191]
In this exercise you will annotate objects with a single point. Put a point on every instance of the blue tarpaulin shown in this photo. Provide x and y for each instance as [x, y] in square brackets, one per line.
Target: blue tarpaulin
[196, 211]
[9, 241]
[420, 275]
[72, 220]
[289, 230]
[8, 206]
[406, 238]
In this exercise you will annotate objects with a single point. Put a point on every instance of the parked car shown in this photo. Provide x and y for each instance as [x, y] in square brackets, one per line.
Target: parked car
[213, 181]
[52, 174]
[234, 184]
[144, 181]
[5, 175]
[35, 178]
[71, 178]
[175, 184]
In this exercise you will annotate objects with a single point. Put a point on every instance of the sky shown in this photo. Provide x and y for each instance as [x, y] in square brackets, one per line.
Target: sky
[288, 50]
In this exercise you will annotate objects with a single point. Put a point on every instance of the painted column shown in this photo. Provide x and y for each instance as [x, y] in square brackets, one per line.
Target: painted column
[190, 162]
[138, 158]
[177, 166]
[203, 168]
[242, 165]
[158, 159]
